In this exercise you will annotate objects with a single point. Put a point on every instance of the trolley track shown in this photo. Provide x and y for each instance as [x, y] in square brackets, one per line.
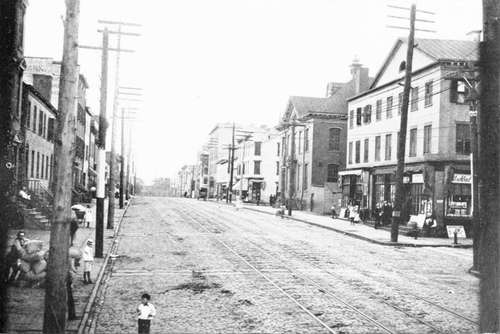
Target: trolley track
[306, 257]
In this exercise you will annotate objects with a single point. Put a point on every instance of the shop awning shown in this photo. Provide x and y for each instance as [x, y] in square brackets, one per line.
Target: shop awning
[351, 172]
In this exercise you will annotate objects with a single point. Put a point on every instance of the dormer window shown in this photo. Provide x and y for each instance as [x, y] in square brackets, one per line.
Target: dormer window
[402, 66]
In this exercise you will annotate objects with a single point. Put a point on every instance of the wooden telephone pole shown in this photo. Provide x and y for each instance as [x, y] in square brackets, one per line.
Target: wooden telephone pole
[11, 69]
[489, 165]
[114, 125]
[58, 265]
[399, 196]
[292, 170]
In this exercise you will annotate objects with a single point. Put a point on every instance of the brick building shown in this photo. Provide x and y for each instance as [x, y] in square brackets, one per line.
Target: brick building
[320, 140]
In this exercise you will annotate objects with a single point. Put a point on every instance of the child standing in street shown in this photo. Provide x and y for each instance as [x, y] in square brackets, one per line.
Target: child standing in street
[88, 259]
[89, 217]
[145, 313]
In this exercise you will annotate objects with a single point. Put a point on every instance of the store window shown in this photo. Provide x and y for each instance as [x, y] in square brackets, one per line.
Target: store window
[458, 203]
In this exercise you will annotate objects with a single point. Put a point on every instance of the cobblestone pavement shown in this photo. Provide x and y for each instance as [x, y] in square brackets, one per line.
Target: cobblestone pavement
[214, 269]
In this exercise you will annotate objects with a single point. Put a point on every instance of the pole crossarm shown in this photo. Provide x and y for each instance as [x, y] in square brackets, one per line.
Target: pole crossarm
[131, 24]
[100, 48]
[120, 32]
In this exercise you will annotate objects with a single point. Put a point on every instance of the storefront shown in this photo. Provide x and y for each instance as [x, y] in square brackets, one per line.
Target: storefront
[354, 187]
[458, 200]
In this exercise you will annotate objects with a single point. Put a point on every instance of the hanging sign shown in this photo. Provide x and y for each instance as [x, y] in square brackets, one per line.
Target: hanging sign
[417, 178]
[461, 178]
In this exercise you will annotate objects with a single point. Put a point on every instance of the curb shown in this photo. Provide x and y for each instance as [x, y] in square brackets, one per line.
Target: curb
[354, 235]
[85, 317]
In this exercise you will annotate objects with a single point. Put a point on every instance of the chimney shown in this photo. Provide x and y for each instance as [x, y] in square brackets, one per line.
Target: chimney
[359, 76]
[332, 88]
[43, 84]
[474, 35]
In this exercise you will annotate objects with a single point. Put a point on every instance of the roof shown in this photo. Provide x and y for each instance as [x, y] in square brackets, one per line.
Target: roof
[40, 97]
[438, 49]
[310, 106]
[447, 49]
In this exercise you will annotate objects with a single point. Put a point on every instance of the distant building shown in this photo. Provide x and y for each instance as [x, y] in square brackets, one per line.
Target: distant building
[437, 162]
[255, 166]
[319, 152]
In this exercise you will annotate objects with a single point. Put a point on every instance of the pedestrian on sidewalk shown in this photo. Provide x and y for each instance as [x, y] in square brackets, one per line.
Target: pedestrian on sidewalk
[377, 214]
[88, 260]
[17, 251]
[89, 217]
[69, 287]
[145, 313]
[73, 227]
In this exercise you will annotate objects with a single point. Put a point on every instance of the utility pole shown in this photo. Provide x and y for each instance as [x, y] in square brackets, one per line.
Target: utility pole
[399, 196]
[292, 164]
[112, 176]
[101, 158]
[103, 125]
[283, 168]
[11, 70]
[229, 196]
[489, 173]
[129, 156]
[58, 263]
[122, 160]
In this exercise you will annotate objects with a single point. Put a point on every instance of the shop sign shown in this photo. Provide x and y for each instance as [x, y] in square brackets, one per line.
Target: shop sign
[452, 229]
[417, 178]
[406, 179]
[461, 178]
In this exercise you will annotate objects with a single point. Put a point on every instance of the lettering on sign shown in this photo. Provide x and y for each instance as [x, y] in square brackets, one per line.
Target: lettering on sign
[459, 229]
[461, 178]
[417, 178]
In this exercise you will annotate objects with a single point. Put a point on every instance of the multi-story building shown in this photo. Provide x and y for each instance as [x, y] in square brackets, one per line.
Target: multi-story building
[255, 165]
[319, 128]
[219, 149]
[39, 124]
[437, 159]
[44, 74]
[201, 175]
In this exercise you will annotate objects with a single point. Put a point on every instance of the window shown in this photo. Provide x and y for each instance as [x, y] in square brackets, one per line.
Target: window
[388, 109]
[458, 91]
[358, 116]
[350, 152]
[428, 94]
[334, 139]
[413, 142]
[414, 99]
[378, 110]
[351, 119]
[306, 168]
[51, 175]
[244, 164]
[358, 151]
[46, 167]
[377, 148]
[40, 123]
[238, 170]
[32, 164]
[402, 66]
[368, 114]
[332, 174]
[42, 167]
[277, 168]
[306, 140]
[256, 167]
[365, 153]
[388, 146]
[400, 103]
[278, 149]
[427, 138]
[26, 163]
[28, 116]
[257, 148]
[463, 139]
[34, 119]
[37, 165]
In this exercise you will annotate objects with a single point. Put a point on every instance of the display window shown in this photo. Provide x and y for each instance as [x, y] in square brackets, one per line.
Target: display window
[458, 201]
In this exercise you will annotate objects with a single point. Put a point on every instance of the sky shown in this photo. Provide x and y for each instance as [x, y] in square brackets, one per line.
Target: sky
[201, 62]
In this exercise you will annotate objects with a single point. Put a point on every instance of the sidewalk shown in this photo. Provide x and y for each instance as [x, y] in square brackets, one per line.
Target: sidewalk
[361, 231]
[26, 305]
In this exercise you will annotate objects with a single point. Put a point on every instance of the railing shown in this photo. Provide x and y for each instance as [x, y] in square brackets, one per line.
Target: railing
[41, 197]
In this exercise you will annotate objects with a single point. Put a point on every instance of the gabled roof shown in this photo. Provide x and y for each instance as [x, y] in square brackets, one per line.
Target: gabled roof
[438, 49]
[334, 105]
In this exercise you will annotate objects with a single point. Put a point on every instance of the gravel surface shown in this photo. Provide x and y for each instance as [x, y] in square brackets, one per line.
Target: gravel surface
[213, 269]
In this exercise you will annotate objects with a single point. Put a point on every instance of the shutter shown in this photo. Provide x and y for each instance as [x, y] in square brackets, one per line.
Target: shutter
[453, 90]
